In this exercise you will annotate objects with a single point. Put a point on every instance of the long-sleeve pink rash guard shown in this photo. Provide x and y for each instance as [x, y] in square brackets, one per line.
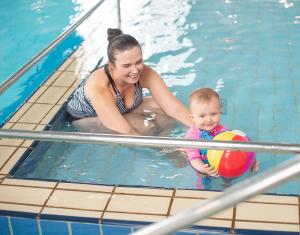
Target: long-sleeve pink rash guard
[195, 134]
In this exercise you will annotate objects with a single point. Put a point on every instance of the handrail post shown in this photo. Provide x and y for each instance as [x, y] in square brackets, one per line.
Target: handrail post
[119, 13]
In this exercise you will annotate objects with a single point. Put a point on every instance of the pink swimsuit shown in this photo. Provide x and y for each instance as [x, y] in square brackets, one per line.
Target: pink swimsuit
[195, 134]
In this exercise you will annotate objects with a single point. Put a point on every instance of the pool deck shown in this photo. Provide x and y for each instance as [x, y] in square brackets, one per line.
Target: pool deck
[98, 203]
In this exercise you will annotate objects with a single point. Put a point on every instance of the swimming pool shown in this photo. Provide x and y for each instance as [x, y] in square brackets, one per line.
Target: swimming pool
[247, 51]
[27, 29]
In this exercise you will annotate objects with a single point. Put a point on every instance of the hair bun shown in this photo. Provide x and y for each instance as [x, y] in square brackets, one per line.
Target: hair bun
[112, 33]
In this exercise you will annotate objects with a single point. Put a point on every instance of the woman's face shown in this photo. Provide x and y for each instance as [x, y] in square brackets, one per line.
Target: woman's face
[128, 65]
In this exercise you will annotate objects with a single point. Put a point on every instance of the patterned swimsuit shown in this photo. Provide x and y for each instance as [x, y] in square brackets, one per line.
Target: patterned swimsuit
[80, 106]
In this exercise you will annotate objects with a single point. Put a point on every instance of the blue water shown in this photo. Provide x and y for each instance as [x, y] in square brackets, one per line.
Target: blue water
[27, 28]
[247, 50]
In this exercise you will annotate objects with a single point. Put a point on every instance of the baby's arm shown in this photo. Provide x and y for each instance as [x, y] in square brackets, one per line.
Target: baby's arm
[200, 166]
[194, 157]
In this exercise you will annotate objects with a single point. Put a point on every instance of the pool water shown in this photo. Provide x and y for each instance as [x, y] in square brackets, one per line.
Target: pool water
[247, 51]
[27, 28]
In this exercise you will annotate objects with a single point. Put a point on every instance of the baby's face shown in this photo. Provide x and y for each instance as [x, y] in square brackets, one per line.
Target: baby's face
[205, 115]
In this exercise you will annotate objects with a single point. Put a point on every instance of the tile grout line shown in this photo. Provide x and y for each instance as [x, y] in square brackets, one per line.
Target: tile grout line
[266, 221]
[171, 203]
[141, 213]
[10, 226]
[21, 204]
[11, 156]
[107, 203]
[27, 186]
[70, 61]
[233, 220]
[2, 179]
[38, 221]
[46, 201]
[22, 140]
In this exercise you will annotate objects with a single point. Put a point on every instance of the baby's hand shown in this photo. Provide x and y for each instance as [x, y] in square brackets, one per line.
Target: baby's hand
[207, 169]
[255, 166]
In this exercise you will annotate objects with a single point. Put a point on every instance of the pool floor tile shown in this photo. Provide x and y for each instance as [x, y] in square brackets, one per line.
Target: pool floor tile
[196, 194]
[52, 79]
[78, 200]
[215, 223]
[267, 226]
[143, 191]
[267, 212]
[139, 204]
[70, 212]
[20, 208]
[6, 168]
[24, 195]
[24, 226]
[133, 217]
[275, 199]
[29, 183]
[50, 114]
[85, 229]
[20, 112]
[6, 153]
[36, 113]
[180, 204]
[54, 227]
[85, 187]
[66, 79]
[37, 94]
[65, 96]
[51, 95]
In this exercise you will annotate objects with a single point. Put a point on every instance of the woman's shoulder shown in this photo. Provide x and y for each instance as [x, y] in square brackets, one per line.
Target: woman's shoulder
[97, 82]
[98, 78]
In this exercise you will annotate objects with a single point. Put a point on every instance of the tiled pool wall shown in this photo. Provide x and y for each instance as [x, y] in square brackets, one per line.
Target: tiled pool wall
[39, 206]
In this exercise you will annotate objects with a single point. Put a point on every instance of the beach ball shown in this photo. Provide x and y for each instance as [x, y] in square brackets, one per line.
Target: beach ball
[229, 163]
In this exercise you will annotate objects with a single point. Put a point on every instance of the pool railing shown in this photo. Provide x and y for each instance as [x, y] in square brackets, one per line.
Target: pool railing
[233, 195]
[11, 80]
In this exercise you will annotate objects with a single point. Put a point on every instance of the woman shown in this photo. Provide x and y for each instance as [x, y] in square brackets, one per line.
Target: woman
[113, 93]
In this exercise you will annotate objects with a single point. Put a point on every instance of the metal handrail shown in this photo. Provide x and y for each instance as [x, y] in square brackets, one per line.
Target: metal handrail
[11, 80]
[233, 195]
[93, 138]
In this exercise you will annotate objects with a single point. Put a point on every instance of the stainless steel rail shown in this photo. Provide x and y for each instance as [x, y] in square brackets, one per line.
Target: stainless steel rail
[240, 192]
[91, 138]
[119, 13]
[11, 80]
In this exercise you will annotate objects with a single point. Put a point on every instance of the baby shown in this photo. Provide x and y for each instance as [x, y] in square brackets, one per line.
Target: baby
[205, 111]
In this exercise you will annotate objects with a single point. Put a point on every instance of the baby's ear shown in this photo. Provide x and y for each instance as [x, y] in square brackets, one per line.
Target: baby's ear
[191, 117]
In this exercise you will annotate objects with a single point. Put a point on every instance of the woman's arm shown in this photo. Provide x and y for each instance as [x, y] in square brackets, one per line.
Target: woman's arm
[163, 97]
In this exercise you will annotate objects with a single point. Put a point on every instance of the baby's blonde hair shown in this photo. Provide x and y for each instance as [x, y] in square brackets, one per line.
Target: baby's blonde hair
[204, 95]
